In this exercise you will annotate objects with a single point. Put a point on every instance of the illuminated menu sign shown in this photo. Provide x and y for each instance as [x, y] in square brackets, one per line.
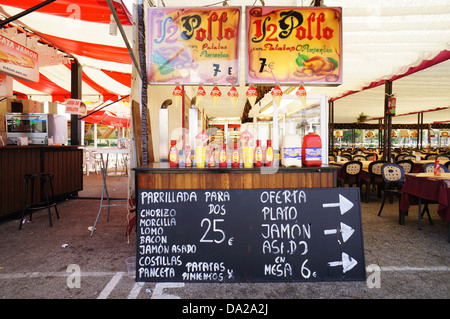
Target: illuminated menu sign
[18, 61]
[292, 45]
[193, 45]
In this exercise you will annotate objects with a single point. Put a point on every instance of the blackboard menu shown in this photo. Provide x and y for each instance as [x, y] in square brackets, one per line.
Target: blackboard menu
[256, 235]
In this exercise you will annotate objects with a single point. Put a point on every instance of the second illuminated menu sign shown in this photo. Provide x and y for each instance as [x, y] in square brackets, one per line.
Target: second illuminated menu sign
[292, 45]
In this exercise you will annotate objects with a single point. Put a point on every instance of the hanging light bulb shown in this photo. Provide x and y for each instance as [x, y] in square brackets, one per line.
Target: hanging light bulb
[277, 93]
[200, 94]
[252, 94]
[233, 95]
[112, 26]
[177, 94]
[301, 94]
[215, 95]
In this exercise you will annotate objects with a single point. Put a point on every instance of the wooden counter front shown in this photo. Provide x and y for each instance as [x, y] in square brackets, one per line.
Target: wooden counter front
[161, 176]
[64, 162]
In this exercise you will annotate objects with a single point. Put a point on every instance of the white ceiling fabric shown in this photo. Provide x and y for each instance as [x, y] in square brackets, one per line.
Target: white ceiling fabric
[106, 81]
[75, 31]
[382, 39]
[84, 31]
[424, 90]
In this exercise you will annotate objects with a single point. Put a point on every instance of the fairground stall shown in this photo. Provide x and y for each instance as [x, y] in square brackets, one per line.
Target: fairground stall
[222, 197]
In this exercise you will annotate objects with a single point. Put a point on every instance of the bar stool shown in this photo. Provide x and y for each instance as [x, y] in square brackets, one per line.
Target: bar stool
[47, 178]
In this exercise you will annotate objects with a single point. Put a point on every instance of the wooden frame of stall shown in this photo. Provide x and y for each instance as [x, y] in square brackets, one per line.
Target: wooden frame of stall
[64, 162]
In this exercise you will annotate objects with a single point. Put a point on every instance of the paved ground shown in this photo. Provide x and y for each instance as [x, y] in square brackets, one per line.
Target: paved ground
[44, 263]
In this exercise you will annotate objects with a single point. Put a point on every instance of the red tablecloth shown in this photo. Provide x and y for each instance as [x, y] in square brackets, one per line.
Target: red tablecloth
[430, 189]
[418, 166]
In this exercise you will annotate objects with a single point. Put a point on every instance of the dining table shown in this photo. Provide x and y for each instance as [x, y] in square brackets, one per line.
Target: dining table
[426, 188]
[417, 168]
[105, 153]
[419, 165]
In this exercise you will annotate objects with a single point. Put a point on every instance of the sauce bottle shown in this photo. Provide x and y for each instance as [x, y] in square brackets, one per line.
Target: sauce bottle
[235, 158]
[223, 156]
[173, 154]
[212, 156]
[312, 149]
[437, 168]
[187, 153]
[200, 149]
[258, 154]
[248, 156]
[268, 160]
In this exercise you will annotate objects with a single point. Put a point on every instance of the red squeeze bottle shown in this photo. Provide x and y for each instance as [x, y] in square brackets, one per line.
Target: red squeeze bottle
[223, 156]
[173, 154]
[268, 161]
[258, 154]
[312, 150]
[235, 158]
[437, 168]
[211, 160]
[188, 156]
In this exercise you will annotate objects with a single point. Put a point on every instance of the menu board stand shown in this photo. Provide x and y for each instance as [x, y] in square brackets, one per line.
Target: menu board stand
[255, 235]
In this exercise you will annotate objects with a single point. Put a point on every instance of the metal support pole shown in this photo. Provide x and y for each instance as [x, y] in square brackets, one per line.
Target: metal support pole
[353, 139]
[331, 126]
[421, 130]
[163, 133]
[380, 133]
[183, 119]
[25, 12]
[193, 124]
[387, 122]
[144, 98]
[101, 108]
[75, 93]
[124, 36]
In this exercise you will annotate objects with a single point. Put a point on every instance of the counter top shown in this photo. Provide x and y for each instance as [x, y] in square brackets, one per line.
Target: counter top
[65, 162]
[10, 146]
[163, 167]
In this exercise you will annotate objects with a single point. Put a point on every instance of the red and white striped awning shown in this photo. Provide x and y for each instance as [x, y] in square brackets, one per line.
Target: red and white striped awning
[80, 29]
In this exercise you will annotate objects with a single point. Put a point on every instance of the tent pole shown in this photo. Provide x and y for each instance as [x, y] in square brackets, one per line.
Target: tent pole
[387, 122]
[146, 130]
[421, 130]
[331, 126]
[75, 93]
[25, 12]
[380, 133]
[183, 120]
[95, 135]
[101, 108]
[124, 36]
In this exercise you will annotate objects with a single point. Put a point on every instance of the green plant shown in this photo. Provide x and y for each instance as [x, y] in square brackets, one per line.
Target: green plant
[362, 117]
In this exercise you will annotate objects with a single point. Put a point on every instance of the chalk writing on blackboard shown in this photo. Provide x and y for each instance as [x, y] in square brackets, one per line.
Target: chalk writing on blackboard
[249, 235]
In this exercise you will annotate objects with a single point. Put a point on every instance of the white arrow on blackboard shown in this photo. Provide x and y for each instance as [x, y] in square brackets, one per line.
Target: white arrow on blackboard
[346, 231]
[347, 263]
[344, 204]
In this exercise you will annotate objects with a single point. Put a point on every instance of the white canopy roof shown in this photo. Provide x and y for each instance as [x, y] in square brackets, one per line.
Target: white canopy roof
[81, 30]
[381, 39]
